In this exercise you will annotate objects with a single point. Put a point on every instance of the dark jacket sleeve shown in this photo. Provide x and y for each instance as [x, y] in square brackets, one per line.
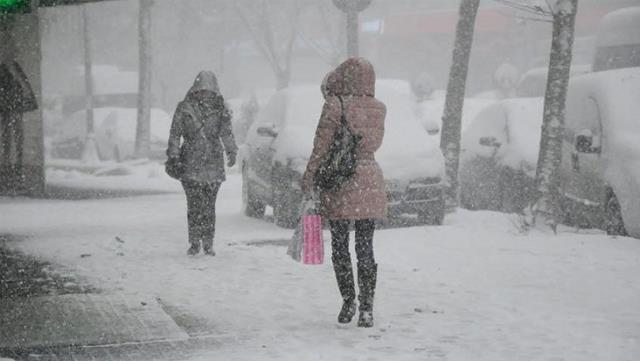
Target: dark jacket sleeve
[226, 132]
[176, 132]
[327, 125]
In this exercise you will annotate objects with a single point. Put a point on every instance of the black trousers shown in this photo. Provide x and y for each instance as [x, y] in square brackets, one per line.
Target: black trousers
[364, 240]
[201, 211]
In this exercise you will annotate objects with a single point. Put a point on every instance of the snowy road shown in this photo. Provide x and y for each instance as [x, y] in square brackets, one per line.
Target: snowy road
[473, 289]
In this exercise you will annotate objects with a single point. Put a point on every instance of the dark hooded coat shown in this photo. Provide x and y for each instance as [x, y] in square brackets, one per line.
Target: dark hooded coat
[364, 196]
[201, 132]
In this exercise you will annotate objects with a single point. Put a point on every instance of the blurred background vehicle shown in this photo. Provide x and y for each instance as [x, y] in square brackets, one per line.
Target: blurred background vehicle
[279, 144]
[500, 146]
[115, 132]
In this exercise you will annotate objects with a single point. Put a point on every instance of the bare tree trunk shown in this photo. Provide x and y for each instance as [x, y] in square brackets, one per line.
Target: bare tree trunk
[143, 129]
[283, 78]
[550, 155]
[452, 117]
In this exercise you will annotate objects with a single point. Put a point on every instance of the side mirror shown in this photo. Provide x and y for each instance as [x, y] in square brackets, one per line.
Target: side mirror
[267, 132]
[587, 143]
[490, 142]
[584, 143]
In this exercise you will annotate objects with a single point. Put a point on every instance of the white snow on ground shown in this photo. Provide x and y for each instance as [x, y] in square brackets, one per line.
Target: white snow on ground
[473, 289]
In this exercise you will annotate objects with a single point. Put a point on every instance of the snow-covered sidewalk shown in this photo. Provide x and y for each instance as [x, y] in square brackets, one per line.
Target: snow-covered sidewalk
[473, 289]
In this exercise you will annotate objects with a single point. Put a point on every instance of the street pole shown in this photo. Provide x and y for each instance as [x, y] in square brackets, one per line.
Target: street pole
[352, 34]
[352, 8]
[90, 152]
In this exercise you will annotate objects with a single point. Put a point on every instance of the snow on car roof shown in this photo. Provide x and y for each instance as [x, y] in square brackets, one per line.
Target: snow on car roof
[618, 94]
[407, 149]
[620, 27]
[516, 124]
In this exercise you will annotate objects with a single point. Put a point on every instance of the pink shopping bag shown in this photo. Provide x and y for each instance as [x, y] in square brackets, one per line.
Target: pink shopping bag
[313, 247]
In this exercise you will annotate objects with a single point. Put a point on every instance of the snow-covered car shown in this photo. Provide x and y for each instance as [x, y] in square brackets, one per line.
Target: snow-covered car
[500, 147]
[115, 132]
[280, 142]
[499, 155]
[600, 167]
[430, 111]
[533, 83]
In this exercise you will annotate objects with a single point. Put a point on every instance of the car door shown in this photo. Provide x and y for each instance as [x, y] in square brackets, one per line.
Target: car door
[583, 183]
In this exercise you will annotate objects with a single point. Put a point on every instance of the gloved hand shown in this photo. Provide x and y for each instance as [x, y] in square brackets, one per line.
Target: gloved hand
[231, 159]
[174, 167]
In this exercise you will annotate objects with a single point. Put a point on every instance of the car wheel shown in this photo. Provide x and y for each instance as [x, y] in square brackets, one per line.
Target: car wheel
[465, 198]
[614, 224]
[251, 206]
[434, 215]
[515, 191]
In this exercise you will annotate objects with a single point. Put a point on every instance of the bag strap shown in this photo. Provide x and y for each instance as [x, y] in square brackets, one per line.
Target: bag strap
[343, 115]
[199, 119]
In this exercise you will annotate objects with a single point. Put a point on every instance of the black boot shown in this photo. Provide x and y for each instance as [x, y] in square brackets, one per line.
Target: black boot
[344, 276]
[208, 250]
[207, 246]
[194, 249]
[367, 274]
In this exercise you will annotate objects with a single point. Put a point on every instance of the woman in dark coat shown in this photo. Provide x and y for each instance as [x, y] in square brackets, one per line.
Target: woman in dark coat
[200, 133]
[16, 98]
[363, 199]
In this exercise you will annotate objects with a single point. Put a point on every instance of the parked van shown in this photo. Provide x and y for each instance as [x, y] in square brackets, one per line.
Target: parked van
[600, 168]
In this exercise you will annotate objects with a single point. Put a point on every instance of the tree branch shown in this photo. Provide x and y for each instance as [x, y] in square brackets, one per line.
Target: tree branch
[527, 8]
[256, 39]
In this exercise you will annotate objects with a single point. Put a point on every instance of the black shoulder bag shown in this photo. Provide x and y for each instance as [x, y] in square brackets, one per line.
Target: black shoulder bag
[340, 163]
